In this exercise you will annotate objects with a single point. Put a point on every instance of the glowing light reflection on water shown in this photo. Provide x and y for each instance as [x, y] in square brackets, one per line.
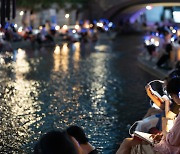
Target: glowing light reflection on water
[53, 88]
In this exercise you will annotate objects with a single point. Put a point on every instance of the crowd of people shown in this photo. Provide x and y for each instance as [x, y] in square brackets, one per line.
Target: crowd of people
[48, 32]
[162, 45]
[45, 34]
[26, 35]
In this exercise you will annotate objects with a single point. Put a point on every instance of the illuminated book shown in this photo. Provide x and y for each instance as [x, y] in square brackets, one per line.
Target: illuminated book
[144, 136]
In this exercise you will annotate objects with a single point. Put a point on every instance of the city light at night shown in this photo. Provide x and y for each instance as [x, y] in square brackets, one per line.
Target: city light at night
[100, 69]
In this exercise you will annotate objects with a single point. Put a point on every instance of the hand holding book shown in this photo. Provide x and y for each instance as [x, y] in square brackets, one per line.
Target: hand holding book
[156, 137]
[146, 137]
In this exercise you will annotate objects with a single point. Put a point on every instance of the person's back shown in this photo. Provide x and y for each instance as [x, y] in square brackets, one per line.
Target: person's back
[55, 142]
[79, 135]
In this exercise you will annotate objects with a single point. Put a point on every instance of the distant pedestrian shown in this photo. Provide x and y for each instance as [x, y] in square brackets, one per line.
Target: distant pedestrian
[25, 19]
[164, 59]
[32, 18]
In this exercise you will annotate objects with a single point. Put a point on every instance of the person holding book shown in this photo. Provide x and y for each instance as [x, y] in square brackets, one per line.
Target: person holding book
[165, 142]
[152, 121]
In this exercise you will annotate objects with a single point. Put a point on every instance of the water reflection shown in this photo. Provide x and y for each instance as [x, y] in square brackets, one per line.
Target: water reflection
[103, 48]
[99, 71]
[38, 105]
[57, 57]
[21, 65]
[20, 97]
[61, 56]
[76, 56]
[64, 57]
[71, 84]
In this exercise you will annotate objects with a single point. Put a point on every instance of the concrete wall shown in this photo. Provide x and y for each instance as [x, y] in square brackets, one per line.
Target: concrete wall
[154, 15]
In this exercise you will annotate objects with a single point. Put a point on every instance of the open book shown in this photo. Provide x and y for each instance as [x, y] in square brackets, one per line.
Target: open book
[144, 136]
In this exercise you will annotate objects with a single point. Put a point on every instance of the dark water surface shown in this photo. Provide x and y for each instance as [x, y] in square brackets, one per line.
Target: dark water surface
[97, 86]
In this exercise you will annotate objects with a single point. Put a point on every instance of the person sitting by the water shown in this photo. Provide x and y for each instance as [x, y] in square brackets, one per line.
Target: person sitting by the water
[160, 107]
[152, 120]
[57, 142]
[44, 37]
[166, 142]
[79, 135]
[165, 57]
[155, 91]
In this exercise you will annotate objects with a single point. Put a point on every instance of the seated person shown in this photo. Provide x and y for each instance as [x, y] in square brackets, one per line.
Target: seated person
[155, 91]
[166, 142]
[79, 135]
[167, 107]
[153, 123]
[165, 57]
[57, 142]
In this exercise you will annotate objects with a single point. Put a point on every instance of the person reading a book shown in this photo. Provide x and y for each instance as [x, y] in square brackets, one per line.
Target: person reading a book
[151, 123]
[156, 90]
[157, 98]
[165, 142]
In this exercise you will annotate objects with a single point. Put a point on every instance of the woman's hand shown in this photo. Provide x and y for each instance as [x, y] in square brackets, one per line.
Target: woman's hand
[157, 137]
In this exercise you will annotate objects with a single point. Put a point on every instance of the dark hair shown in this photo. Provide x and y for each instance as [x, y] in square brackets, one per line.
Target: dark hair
[78, 134]
[55, 142]
[173, 86]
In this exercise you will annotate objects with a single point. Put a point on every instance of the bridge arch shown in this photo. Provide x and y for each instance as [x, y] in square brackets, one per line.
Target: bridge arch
[127, 9]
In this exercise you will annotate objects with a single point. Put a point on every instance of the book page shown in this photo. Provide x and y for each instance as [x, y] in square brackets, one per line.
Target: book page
[144, 136]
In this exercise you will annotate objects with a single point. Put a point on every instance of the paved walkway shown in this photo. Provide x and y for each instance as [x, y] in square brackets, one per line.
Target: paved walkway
[150, 67]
